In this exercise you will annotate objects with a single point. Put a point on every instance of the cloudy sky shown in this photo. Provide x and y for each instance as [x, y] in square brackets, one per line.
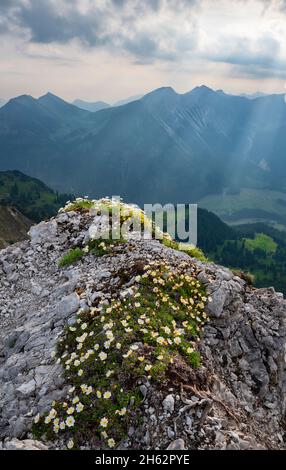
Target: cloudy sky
[111, 49]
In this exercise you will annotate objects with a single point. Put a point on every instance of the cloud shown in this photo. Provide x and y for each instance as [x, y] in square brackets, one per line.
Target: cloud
[114, 24]
[46, 25]
[257, 72]
[198, 36]
[237, 50]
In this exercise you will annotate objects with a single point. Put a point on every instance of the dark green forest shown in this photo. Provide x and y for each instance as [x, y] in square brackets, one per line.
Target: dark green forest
[258, 250]
[30, 196]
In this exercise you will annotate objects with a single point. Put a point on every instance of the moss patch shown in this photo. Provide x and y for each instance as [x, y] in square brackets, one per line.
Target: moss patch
[71, 257]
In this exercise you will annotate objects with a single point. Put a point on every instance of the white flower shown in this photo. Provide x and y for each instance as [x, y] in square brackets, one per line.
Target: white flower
[56, 428]
[37, 418]
[111, 442]
[104, 422]
[121, 412]
[75, 400]
[62, 425]
[70, 410]
[52, 413]
[70, 422]
[106, 395]
[89, 390]
[109, 334]
[79, 407]
[102, 356]
[160, 340]
[177, 340]
[80, 339]
[70, 444]
[84, 326]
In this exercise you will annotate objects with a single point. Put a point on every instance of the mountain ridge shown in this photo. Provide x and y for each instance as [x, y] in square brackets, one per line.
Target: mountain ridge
[210, 140]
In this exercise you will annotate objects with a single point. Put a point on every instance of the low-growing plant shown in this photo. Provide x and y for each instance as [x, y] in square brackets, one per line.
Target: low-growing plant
[109, 348]
[71, 257]
[78, 204]
[100, 247]
[192, 251]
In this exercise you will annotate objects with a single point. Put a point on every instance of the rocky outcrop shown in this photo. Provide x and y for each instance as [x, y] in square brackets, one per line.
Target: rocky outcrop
[25, 444]
[235, 400]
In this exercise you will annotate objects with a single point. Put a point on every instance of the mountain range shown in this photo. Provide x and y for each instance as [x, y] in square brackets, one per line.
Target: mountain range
[164, 147]
[91, 106]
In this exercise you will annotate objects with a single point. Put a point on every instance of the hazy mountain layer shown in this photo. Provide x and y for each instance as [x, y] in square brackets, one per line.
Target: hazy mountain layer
[163, 147]
[92, 107]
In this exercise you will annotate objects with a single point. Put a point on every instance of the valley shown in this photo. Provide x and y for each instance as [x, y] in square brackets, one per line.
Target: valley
[249, 206]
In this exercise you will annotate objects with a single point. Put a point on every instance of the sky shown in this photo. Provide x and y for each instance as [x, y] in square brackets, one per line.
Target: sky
[111, 49]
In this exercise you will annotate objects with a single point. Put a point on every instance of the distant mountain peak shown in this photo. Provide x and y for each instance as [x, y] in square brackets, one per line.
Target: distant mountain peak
[203, 89]
[167, 90]
[50, 97]
[22, 99]
[57, 105]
